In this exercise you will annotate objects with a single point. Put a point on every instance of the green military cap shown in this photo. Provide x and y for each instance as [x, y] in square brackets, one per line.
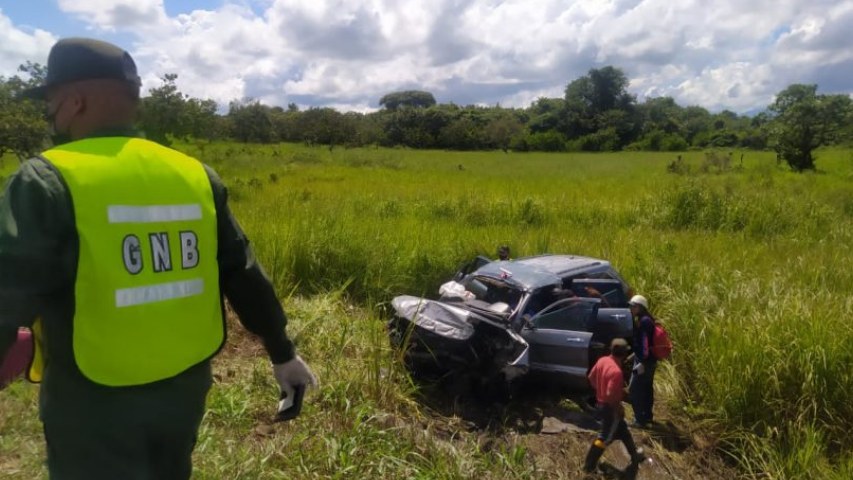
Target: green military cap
[75, 59]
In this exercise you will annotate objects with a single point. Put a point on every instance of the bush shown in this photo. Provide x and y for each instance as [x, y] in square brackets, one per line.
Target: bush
[716, 161]
[678, 167]
[518, 143]
[660, 141]
[546, 142]
[606, 140]
[697, 206]
[724, 138]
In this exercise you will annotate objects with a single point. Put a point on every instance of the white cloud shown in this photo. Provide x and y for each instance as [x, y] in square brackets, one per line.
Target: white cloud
[112, 15]
[216, 54]
[18, 46]
[736, 86]
[731, 54]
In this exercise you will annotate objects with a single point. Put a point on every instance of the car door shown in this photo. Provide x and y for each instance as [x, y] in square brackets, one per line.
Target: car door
[614, 317]
[559, 339]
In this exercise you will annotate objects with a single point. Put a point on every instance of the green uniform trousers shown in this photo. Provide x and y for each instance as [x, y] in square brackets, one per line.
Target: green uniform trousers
[133, 433]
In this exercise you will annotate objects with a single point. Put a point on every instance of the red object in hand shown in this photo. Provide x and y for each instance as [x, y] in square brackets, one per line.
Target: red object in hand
[17, 358]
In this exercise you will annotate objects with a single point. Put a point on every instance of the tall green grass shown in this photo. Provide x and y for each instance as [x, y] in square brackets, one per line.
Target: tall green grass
[750, 268]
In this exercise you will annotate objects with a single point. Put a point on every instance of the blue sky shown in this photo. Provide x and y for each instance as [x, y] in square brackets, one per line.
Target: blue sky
[725, 54]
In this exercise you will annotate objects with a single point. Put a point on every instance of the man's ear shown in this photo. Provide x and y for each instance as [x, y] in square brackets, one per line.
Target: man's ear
[77, 102]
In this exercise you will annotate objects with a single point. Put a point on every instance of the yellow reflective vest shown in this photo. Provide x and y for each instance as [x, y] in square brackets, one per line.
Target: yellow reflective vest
[147, 302]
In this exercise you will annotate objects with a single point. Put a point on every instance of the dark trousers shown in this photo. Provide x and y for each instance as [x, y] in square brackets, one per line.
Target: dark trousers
[134, 433]
[642, 393]
[613, 427]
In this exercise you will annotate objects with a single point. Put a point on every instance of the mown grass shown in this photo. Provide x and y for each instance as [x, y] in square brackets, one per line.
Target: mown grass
[749, 269]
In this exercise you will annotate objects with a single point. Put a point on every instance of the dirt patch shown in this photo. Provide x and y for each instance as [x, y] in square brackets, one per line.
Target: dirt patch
[556, 428]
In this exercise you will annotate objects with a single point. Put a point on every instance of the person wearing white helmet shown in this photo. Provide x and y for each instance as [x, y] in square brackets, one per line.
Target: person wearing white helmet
[642, 394]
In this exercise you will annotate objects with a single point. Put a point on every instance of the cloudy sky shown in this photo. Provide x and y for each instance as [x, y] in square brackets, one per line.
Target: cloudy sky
[732, 54]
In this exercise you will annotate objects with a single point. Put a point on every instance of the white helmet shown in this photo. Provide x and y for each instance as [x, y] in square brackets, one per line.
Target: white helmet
[639, 300]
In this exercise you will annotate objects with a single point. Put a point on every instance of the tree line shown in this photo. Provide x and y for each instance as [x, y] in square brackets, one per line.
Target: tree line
[596, 113]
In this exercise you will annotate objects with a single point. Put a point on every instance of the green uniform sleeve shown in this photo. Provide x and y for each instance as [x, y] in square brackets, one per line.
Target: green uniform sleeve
[245, 284]
[36, 230]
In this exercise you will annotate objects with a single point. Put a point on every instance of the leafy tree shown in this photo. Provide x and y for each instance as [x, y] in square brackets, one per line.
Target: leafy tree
[326, 126]
[502, 129]
[416, 127]
[369, 130]
[251, 122]
[461, 134]
[592, 100]
[695, 120]
[200, 119]
[603, 140]
[407, 98]
[160, 113]
[546, 142]
[168, 112]
[724, 138]
[22, 126]
[804, 121]
[596, 113]
[285, 123]
[661, 114]
[624, 123]
[659, 140]
[600, 90]
[755, 138]
[547, 114]
[36, 73]
[726, 119]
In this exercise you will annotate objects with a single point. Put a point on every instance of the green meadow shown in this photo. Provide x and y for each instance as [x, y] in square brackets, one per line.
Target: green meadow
[747, 264]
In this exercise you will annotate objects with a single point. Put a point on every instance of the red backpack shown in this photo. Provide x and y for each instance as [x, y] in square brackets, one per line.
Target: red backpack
[661, 344]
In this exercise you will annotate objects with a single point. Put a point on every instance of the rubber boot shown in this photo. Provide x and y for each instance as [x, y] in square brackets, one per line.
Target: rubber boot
[639, 457]
[596, 450]
[637, 454]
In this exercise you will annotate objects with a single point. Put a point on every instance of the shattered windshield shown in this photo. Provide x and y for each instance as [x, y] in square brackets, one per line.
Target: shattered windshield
[492, 291]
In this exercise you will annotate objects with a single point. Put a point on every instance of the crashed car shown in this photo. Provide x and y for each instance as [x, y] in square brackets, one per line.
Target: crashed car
[549, 315]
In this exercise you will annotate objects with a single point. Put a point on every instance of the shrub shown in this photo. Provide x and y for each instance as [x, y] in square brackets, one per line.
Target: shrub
[606, 140]
[716, 161]
[658, 140]
[678, 167]
[546, 142]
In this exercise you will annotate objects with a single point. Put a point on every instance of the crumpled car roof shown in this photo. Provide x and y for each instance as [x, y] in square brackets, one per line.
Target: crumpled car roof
[530, 273]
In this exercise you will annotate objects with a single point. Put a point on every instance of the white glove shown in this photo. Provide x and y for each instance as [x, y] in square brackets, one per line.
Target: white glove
[293, 373]
[640, 368]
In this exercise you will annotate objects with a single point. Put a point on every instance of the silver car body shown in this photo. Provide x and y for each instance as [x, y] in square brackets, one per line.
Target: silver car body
[536, 312]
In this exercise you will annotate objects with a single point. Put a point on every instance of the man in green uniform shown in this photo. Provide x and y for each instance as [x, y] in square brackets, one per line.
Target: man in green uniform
[118, 252]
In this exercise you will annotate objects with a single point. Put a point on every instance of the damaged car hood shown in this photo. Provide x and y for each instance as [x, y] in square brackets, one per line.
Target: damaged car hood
[456, 323]
[440, 318]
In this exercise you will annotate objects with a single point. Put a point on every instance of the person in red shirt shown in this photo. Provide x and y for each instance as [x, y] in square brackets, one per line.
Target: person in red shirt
[608, 382]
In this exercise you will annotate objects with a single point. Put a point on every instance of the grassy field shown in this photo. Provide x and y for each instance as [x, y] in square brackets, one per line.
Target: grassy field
[749, 268]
